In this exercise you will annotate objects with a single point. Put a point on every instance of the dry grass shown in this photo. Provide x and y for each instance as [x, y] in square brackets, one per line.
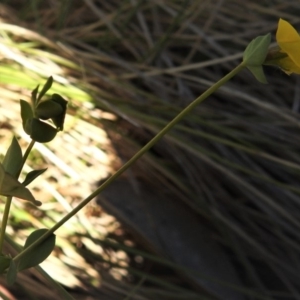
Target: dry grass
[233, 163]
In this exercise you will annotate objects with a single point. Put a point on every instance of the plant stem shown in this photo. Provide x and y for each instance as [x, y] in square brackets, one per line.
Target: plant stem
[9, 200]
[4, 222]
[167, 128]
[25, 156]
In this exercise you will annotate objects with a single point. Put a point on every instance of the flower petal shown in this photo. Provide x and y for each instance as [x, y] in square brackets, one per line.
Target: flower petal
[288, 66]
[288, 40]
[286, 32]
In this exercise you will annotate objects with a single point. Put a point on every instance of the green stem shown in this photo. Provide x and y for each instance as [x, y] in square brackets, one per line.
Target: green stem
[4, 222]
[167, 128]
[9, 200]
[25, 156]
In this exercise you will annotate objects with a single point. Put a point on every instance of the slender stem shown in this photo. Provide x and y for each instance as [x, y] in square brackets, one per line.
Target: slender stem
[9, 199]
[168, 127]
[4, 222]
[25, 156]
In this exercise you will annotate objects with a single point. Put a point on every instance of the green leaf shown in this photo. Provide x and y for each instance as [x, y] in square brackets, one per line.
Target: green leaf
[42, 132]
[256, 52]
[258, 73]
[4, 263]
[11, 275]
[34, 95]
[32, 175]
[60, 119]
[39, 253]
[12, 187]
[45, 89]
[26, 114]
[48, 109]
[12, 161]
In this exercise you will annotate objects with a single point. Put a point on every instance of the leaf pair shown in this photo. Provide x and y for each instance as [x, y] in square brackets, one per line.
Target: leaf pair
[255, 55]
[33, 115]
[9, 173]
[11, 187]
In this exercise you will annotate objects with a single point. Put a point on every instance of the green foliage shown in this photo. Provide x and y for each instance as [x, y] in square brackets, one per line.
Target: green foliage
[12, 162]
[11, 275]
[60, 118]
[255, 55]
[48, 109]
[40, 131]
[37, 254]
[53, 109]
[32, 175]
[26, 115]
[4, 263]
[37, 248]
[46, 87]
[11, 187]
[256, 51]
[34, 95]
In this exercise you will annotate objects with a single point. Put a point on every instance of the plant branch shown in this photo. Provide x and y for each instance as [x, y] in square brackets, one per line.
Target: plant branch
[26, 154]
[152, 142]
[4, 222]
[9, 200]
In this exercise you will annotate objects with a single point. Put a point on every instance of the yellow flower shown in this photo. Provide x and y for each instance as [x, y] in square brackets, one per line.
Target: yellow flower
[288, 57]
